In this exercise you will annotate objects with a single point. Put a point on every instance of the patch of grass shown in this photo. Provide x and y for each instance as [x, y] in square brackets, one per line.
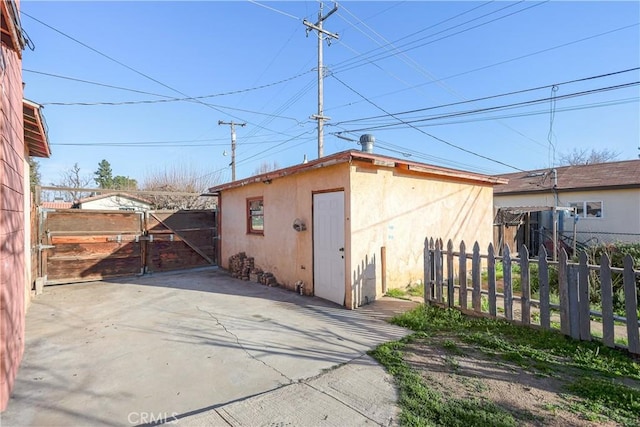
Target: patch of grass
[473, 384]
[452, 347]
[603, 396]
[396, 293]
[416, 290]
[424, 406]
[547, 352]
[452, 363]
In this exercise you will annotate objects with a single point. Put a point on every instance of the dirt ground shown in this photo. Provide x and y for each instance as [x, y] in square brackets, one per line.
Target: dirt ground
[467, 373]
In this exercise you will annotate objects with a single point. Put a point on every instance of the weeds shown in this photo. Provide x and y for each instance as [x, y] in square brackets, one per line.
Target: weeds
[591, 371]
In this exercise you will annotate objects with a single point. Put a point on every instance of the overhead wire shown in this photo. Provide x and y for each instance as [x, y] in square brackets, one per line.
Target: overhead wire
[491, 65]
[275, 10]
[134, 70]
[431, 135]
[356, 63]
[422, 70]
[494, 108]
[484, 98]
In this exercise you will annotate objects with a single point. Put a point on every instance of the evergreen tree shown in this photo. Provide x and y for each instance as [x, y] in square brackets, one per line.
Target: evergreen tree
[104, 176]
[34, 173]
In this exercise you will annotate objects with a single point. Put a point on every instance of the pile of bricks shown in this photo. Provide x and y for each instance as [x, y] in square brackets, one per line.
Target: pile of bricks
[240, 265]
[243, 267]
[268, 279]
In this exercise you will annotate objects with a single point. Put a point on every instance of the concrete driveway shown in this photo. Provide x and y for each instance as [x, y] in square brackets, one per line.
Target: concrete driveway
[196, 348]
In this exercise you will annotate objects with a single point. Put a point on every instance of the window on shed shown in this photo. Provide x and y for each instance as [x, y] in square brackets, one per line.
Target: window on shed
[255, 215]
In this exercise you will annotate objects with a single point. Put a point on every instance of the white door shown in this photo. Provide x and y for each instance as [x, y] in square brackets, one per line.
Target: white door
[328, 246]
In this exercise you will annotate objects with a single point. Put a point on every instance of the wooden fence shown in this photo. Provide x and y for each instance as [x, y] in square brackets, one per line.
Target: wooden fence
[459, 278]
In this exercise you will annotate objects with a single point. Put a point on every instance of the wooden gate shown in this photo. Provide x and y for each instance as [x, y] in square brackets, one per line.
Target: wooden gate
[181, 239]
[83, 245]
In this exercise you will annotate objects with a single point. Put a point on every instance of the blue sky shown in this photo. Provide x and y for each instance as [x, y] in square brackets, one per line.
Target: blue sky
[393, 73]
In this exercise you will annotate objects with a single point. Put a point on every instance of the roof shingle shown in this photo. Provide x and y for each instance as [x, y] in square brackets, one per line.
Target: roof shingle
[624, 174]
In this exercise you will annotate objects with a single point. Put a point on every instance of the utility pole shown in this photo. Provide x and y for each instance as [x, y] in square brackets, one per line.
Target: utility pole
[233, 145]
[320, 117]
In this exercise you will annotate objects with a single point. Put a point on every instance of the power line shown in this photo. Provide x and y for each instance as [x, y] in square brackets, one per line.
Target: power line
[355, 62]
[94, 83]
[125, 65]
[495, 108]
[275, 10]
[156, 101]
[516, 92]
[500, 63]
[428, 134]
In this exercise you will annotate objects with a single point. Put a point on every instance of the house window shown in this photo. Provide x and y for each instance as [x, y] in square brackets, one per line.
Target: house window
[255, 216]
[587, 209]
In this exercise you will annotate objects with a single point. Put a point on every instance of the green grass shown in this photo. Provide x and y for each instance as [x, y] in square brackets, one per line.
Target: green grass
[588, 368]
[397, 293]
[406, 293]
[423, 406]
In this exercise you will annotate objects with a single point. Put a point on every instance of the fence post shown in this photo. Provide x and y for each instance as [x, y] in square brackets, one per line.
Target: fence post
[491, 278]
[606, 292]
[631, 305]
[543, 283]
[438, 268]
[475, 278]
[450, 284]
[506, 278]
[462, 276]
[583, 298]
[428, 283]
[574, 303]
[563, 288]
[525, 286]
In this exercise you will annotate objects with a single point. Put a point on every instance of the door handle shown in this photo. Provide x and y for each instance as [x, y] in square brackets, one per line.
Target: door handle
[341, 249]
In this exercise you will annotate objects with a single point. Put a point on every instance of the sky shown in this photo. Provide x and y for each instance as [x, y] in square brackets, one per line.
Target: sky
[490, 87]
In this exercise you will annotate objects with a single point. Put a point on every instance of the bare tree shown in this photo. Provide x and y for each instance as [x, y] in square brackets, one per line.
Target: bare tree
[73, 178]
[181, 178]
[266, 167]
[586, 157]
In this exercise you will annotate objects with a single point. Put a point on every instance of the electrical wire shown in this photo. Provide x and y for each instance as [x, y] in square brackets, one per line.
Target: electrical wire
[133, 69]
[275, 10]
[516, 92]
[168, 99]
[94, 83]
[494, 108]
[351, 64]
[492, 65]
[430, 135]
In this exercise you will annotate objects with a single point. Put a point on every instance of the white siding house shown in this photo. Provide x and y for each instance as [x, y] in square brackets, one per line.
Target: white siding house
[605, 198]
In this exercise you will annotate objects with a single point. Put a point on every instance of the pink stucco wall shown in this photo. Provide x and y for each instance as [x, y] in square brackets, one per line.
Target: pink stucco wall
[12, 225]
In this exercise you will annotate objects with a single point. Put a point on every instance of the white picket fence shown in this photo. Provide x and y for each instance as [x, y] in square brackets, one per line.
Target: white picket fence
[449, 282]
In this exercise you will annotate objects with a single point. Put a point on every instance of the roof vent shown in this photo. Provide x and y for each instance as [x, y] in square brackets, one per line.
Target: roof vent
[367, 140]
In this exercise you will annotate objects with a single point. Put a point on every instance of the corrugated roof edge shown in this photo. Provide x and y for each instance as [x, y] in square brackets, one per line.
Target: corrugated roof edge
[350, 155]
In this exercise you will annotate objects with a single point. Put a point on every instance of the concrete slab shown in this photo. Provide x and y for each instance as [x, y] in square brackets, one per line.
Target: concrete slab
[175, 345]
[358, 393]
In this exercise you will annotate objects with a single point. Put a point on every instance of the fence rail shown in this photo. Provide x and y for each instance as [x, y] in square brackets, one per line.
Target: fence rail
[445, 277]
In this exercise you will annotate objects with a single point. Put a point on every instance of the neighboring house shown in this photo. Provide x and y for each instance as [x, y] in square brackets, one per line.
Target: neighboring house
[350, 225]
[114, 201]
[107, 202]
[604, 197]
[23, 134]
[57, 204]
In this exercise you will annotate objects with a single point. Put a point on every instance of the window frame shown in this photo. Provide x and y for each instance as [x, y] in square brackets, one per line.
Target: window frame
[250, 216]
[582, 205]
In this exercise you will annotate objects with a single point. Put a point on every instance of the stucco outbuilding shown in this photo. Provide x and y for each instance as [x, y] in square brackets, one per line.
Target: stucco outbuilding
[349, 226]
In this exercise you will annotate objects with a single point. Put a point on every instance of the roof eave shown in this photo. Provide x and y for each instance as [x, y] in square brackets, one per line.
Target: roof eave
[35, 130]
[374, 159]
